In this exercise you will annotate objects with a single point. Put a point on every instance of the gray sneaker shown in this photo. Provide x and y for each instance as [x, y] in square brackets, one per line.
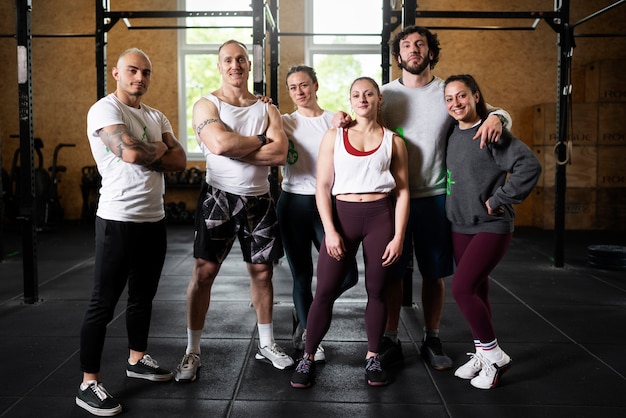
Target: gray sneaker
[432, 351]
[96, 400]
[188, 368]
[147, 368]
[274, 354]
[298, 330]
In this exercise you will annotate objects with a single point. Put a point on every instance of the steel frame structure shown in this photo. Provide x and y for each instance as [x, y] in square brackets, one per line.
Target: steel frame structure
[265, 18]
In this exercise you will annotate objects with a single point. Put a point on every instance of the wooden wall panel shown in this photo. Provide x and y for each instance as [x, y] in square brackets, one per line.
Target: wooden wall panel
[516, 69]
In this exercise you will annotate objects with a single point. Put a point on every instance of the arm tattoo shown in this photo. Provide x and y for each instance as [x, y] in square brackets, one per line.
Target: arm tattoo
[121, 139]
[205, 123]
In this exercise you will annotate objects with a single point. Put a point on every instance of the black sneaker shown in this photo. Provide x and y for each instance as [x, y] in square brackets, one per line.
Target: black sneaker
[97, 400]
[305, 372]
[389, 352]
[147, 368]
[432, 352]
[374, 373]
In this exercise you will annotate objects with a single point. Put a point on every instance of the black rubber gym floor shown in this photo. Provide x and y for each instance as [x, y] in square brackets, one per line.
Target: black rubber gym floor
[563, 327]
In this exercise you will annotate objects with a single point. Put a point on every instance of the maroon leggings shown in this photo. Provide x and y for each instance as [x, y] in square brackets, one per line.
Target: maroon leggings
[370, 223]
[476, 256]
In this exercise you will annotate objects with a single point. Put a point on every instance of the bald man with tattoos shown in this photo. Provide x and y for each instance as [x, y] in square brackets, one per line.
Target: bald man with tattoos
[133, 145]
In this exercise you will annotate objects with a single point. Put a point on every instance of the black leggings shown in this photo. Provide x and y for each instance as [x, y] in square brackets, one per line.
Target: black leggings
[370, 223]
[126, 252]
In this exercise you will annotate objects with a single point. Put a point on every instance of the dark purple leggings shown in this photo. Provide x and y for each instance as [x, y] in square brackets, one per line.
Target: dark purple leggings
[370, 223]
[476, 256]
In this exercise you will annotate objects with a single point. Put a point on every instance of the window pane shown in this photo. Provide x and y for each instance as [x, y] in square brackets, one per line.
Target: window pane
[201, 77]
[335, 74]
[218, 29]
[348, 16]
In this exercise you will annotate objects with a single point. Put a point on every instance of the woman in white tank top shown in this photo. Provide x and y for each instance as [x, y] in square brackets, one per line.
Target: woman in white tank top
[364, 167]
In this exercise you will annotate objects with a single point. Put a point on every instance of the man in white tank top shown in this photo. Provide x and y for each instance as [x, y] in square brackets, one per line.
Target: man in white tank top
[241, 137]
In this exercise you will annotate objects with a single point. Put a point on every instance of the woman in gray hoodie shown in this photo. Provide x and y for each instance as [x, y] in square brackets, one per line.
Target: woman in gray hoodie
[482, 186]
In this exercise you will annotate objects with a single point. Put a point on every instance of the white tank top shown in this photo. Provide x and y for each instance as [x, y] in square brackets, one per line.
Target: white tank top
[363, 173]
[305, 135]
[231, 175]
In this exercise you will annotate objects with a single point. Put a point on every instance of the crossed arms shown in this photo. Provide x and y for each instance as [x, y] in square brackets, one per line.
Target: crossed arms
[250, 149]
[161, 156]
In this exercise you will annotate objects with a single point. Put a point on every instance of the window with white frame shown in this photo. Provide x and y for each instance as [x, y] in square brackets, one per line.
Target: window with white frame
[198, 45]
[347, 45]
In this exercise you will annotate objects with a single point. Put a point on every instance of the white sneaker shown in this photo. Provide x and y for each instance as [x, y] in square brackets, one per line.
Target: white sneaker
[188, 367]
[320, 355]
[490, 373]
[470, 369]
[275, 355]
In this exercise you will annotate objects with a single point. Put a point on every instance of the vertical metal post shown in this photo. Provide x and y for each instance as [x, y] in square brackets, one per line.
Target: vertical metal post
[28, 209]
[385, 38]
[101, 48]
[258, 52]
[258, 72]
[2, 191]
[565, 47]
[409, 12]
[274, 52]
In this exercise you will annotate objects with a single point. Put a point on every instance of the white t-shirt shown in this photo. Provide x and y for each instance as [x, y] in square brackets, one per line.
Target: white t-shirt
[305, 135]
[231, 175]
[363, 174]
[129, 192]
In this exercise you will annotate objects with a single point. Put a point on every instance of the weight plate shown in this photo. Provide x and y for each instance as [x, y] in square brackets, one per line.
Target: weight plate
[607, 250]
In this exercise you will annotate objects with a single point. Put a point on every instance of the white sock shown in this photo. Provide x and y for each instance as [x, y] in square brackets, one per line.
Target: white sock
[86, 384]
[193, 341]
[492, 351]
[266, 334]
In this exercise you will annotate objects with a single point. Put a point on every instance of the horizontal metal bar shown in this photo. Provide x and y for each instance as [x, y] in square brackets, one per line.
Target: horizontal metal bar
[598, 13]
[186, 27]
[600, 35]
[326, 34]
[486, 15]
[480, 27]
[176, 13]
[54, 35]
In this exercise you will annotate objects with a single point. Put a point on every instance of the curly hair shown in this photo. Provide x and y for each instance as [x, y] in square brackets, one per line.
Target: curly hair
[431, 38]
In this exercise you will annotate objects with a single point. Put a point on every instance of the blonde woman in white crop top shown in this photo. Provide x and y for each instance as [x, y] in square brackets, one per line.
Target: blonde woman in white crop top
[364, 167]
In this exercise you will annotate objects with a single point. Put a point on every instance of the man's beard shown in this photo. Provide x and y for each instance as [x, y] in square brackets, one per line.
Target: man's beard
[418, 68]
